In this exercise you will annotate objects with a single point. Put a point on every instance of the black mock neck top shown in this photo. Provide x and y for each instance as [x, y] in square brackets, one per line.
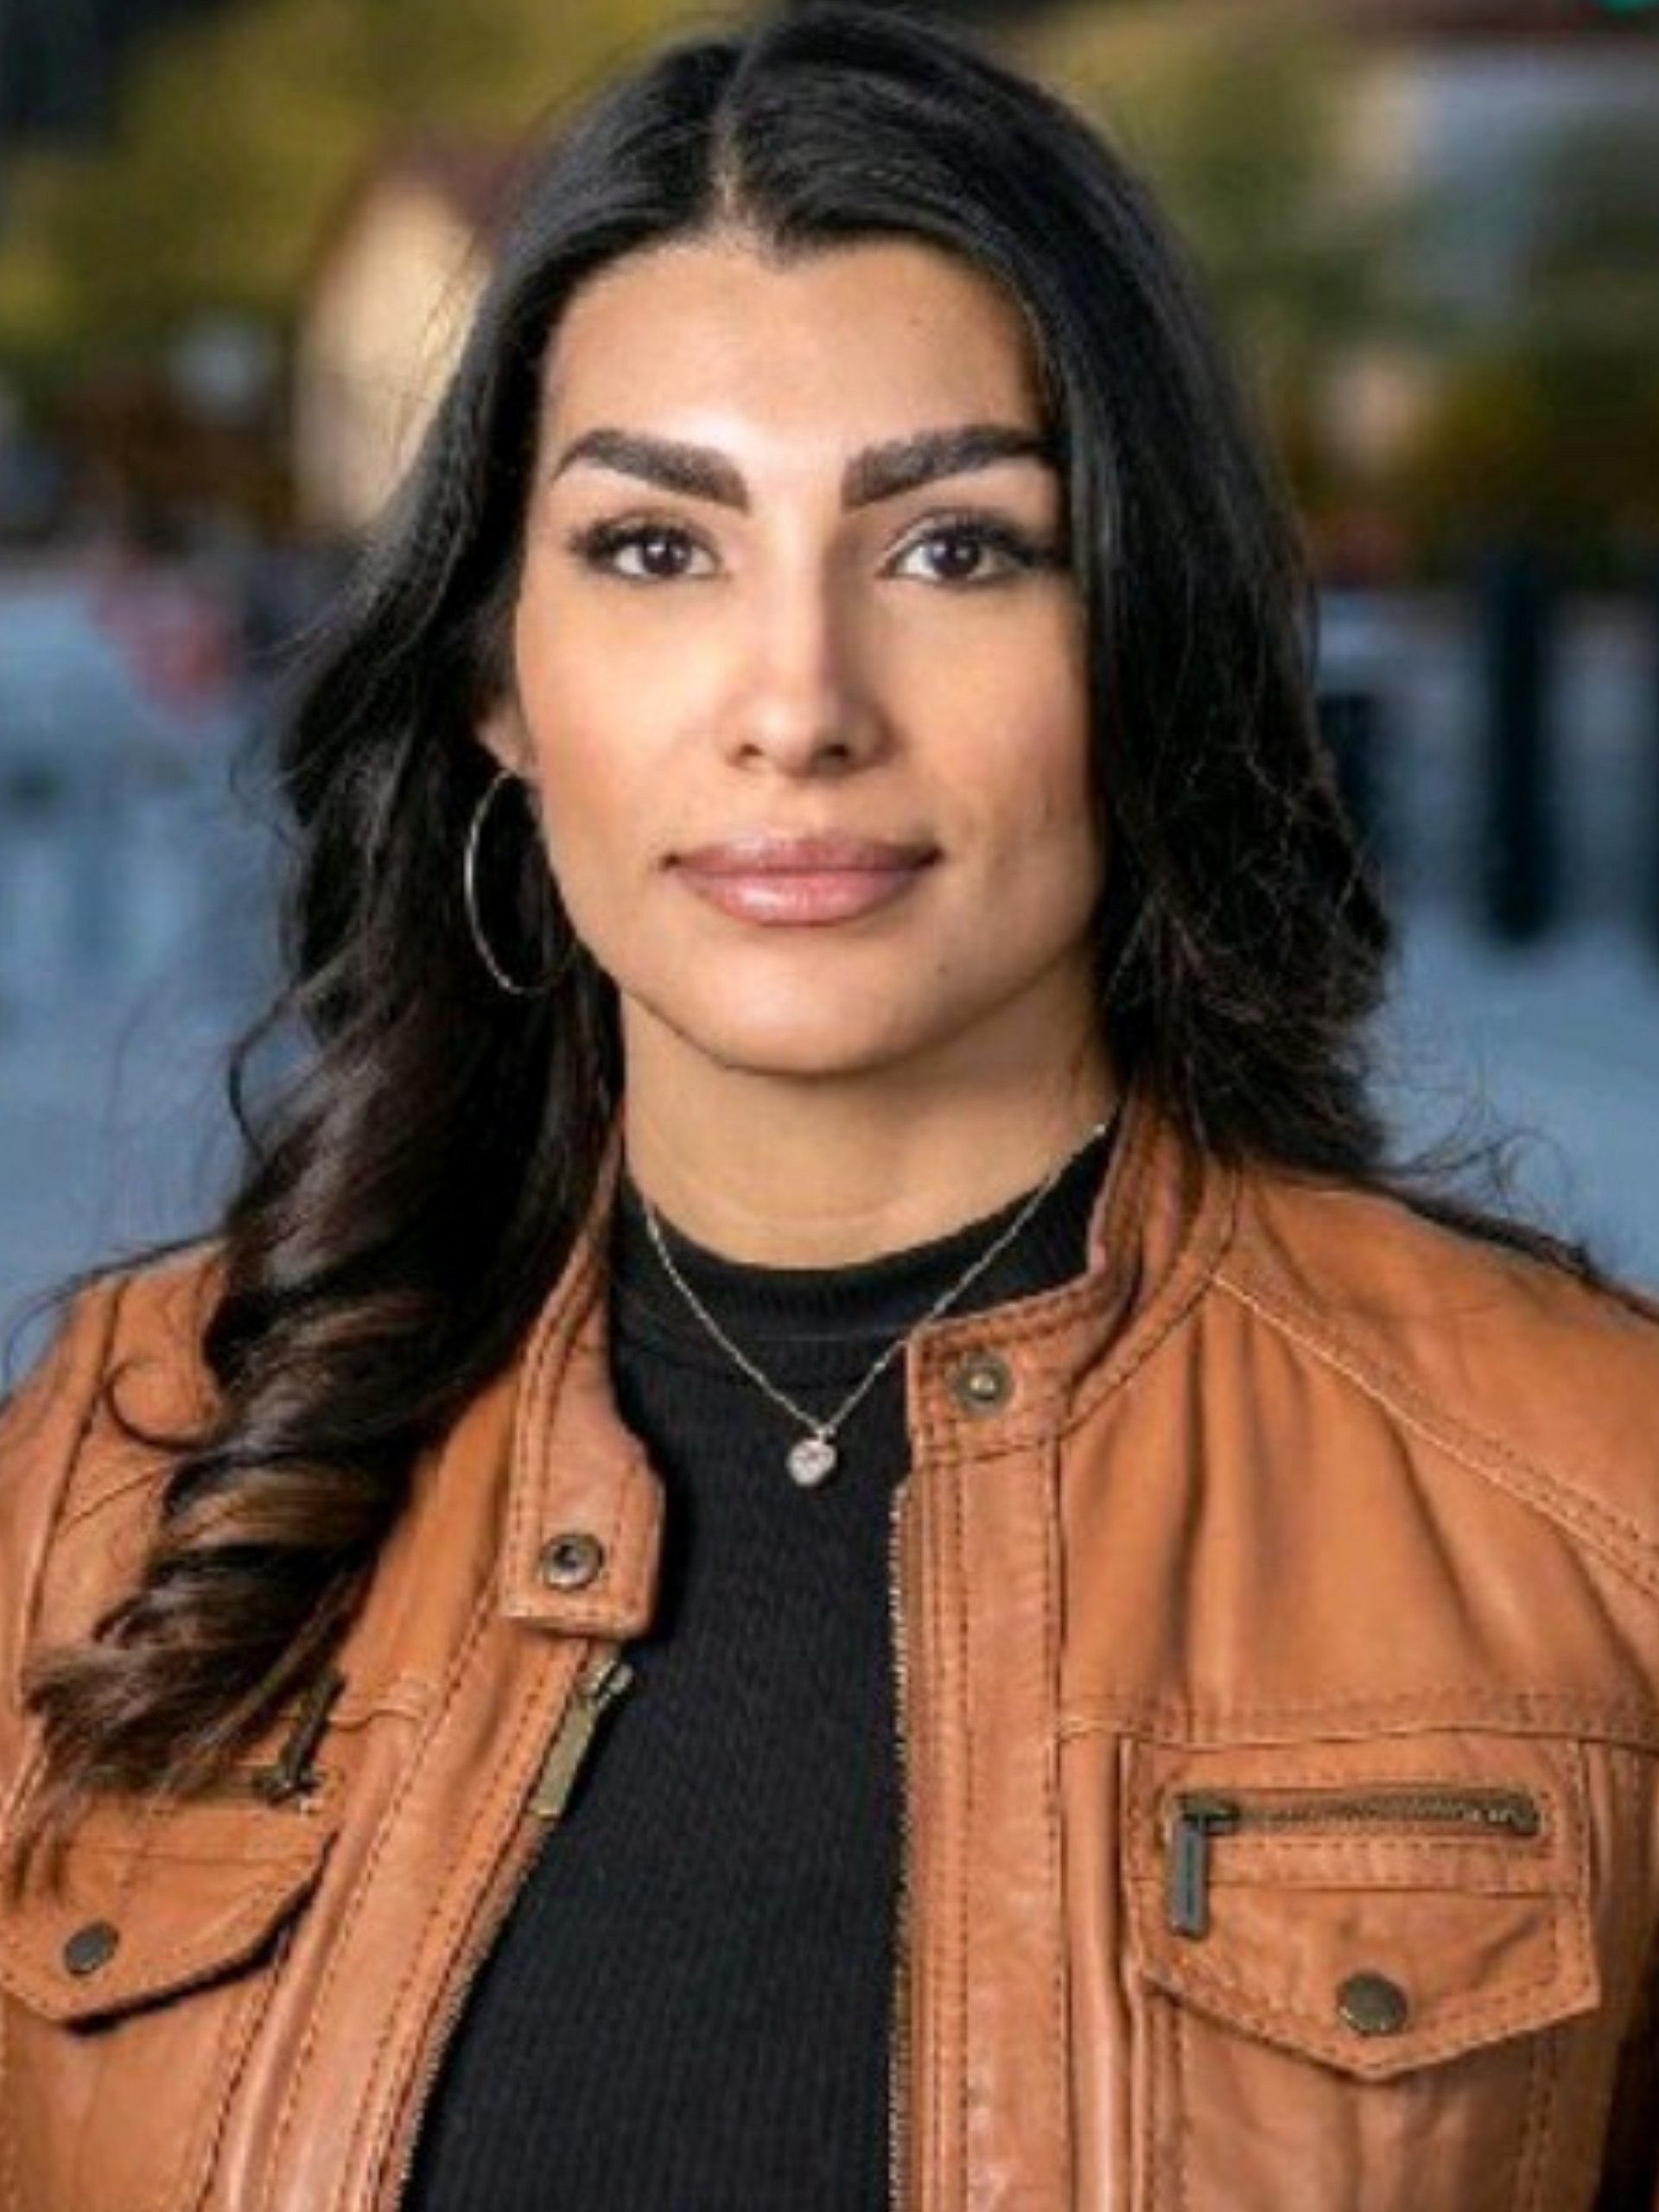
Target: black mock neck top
[687, 2008]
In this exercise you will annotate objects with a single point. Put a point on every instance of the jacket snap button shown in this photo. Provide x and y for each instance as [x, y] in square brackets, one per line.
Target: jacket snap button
[571, 1561]
[982, 1383]
[1371, 2005]
[91, 1947]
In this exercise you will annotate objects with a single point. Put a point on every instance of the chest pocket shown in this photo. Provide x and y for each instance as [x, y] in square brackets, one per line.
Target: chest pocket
[130, 1993]
[1350, 1956]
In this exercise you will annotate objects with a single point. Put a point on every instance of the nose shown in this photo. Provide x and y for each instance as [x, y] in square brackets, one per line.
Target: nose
[802, 700]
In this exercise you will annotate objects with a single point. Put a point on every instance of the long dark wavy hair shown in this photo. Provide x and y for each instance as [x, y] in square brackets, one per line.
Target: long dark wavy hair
[409, 1200]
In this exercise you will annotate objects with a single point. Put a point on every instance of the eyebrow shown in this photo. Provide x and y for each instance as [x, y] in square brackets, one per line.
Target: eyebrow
[880, 472]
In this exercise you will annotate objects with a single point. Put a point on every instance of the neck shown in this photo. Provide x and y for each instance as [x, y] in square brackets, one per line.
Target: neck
[821, 1173]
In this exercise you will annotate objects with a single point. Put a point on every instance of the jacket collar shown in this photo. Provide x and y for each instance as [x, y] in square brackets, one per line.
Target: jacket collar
[576, 1474]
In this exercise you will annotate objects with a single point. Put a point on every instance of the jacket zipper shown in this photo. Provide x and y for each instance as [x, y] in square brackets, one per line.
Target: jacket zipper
[602, 1681]
[597, 1685]
[1198, 1817]
[898, 2054]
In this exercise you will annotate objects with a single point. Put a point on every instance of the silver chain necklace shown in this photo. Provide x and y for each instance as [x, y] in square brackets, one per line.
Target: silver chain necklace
[814, 1457]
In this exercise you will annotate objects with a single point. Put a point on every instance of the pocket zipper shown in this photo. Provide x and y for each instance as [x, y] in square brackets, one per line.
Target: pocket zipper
[1199, 1816]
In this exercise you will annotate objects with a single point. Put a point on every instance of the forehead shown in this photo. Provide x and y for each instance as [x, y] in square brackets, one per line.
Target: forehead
[719, 339]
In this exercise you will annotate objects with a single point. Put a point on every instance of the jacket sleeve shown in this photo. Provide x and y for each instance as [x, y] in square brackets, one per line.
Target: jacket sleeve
[43, 1425]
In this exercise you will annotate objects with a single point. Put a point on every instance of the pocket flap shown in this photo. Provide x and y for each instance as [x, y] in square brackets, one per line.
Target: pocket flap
[150, 1903]
[1378, 1906]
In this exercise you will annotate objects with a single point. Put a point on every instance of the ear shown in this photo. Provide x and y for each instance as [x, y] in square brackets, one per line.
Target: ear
[501, 729]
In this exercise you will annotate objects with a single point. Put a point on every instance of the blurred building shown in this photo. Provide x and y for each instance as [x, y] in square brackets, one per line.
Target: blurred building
[394, 283]
[1469, 105]
[1488, 114]
[1475, 98]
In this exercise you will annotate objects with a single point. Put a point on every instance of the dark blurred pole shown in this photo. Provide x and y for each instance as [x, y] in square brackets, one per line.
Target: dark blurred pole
[53, 68]
[1651, 594]
[1351, 724]
[60, 60]
[1520, 612]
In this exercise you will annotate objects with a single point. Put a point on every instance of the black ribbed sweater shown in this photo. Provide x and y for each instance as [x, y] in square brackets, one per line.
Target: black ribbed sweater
[687, 2010]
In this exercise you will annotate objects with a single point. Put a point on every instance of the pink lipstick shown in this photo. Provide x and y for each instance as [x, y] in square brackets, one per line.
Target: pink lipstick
[802, 881]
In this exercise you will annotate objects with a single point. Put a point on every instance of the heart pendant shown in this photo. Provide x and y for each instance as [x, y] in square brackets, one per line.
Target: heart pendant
[812, 1461]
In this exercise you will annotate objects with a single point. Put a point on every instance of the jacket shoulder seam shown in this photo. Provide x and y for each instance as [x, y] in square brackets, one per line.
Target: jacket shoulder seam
[96, 1324]
[1617, 1538]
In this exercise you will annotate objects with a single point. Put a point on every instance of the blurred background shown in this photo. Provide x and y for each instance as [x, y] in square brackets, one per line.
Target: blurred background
[238, 239]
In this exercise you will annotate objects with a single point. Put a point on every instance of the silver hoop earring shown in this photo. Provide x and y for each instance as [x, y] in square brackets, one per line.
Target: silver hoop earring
[498, 975]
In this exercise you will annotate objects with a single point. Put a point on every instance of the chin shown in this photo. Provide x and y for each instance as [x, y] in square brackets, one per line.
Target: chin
[800, 1035]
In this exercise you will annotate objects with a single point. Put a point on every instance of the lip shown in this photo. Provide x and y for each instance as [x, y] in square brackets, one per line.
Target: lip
[803, 881]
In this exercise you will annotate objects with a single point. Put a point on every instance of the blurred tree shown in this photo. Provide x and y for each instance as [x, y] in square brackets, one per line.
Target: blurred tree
[1250, 123]
[237, 136]
[1545, 425]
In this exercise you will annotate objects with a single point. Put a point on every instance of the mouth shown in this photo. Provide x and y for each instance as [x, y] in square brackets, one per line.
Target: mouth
[803, 882]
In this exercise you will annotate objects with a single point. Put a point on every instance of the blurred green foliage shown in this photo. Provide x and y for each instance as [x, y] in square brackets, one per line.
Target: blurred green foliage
[1537, 416]
[237, 136]
[1247, 122]
[1243, 118]
[1544, 419]
[1532, 413]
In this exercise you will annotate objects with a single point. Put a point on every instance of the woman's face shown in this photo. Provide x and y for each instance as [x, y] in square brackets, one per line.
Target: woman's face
[798, 667]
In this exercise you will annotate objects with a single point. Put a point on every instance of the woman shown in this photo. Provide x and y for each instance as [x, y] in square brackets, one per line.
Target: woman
[821, 1531]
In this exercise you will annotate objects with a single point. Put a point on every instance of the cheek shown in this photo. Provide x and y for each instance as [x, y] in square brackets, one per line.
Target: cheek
[1048, 782]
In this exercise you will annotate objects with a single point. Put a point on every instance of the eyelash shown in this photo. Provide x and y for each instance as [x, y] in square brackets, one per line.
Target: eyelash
[598, 546]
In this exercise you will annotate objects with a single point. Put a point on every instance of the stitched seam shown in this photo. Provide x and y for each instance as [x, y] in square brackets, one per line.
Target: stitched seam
[214, 2144]
[936, 1995]
[455, 1924]
[198, 2154]
[1557, 1496]
[152, 1469]
[359, 1902]
[1182, 1297]
[950, 1446]
[550, 1359]
[1640, 1778]
[8, 2147]
[1473, 2028]
[1178, 2068]
[1268, 1873]
[965, 1845]
[923, 1943]
[1632, 1932]
[1540, 2087]
[1144, 2156]
[1060, 1307]
[52, 1533]
[118, 1996]
[1546, 1711]
[1190, 1274]
[188, 1280]
[1053, 1840]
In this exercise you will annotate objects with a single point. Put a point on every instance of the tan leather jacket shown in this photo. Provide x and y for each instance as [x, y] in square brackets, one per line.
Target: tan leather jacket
[1279, 1616]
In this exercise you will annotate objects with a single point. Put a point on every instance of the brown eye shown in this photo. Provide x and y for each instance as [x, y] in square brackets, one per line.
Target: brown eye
[969, 552]
[643, 552]
[957, 555]
[659, 554]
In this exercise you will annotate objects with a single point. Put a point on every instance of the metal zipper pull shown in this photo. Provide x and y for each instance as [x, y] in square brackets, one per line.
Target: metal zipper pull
[1197, 1819]
[598, 1689]
[291, 1774]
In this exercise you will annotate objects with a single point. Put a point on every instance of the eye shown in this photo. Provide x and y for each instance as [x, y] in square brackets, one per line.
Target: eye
[968, 550]
[643, 552]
